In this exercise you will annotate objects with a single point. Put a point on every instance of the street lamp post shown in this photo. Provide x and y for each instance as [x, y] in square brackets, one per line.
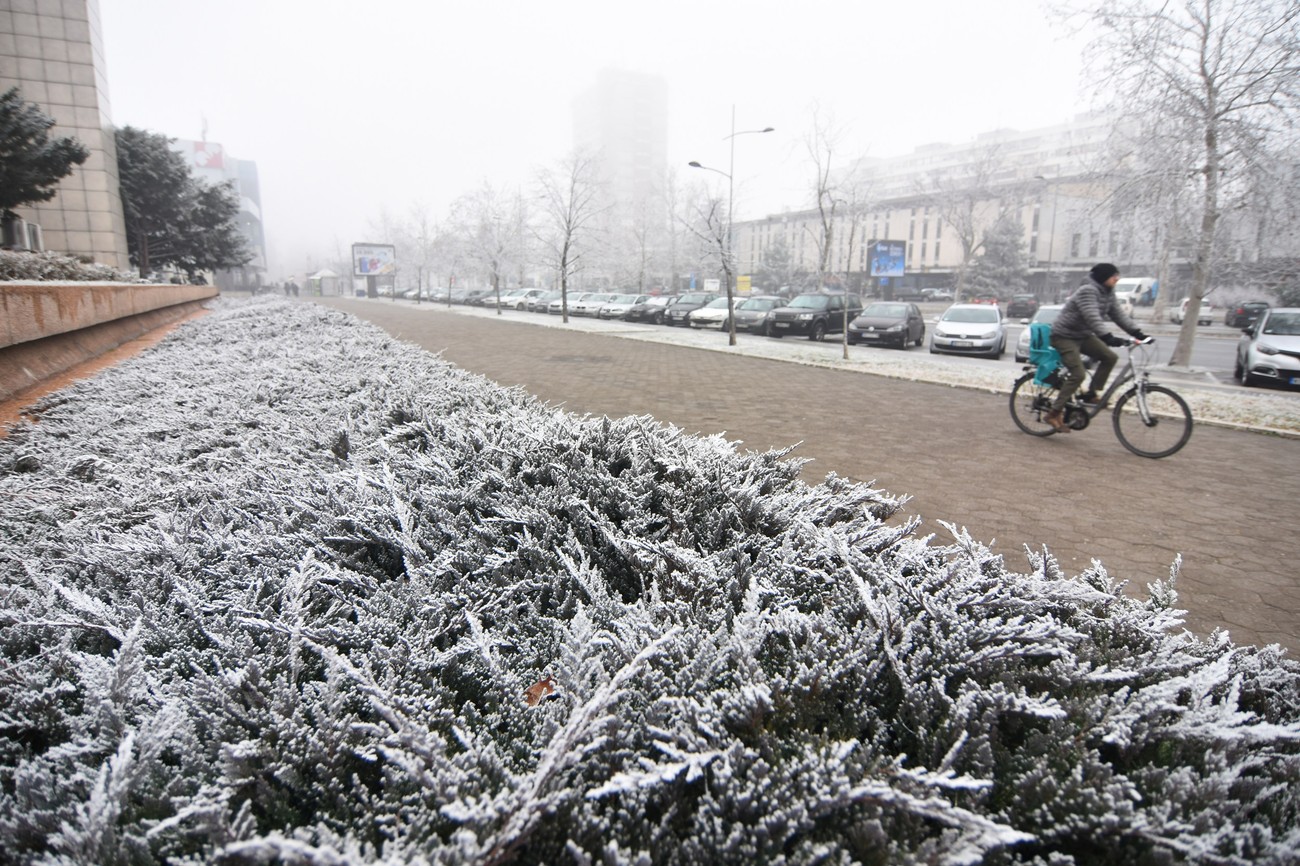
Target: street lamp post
[728, 259]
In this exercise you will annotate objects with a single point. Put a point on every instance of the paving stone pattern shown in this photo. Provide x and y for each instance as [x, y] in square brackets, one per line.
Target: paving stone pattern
[1229, 502]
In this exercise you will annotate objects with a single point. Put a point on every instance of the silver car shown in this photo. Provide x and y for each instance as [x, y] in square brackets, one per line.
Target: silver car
[1269, 350]
[970, 329]
[1046, 315]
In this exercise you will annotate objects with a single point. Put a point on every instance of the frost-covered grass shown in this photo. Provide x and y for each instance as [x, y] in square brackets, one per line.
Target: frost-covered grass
[276, 589]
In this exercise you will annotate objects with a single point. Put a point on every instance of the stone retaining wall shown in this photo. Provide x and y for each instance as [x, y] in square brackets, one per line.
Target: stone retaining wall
[47, 328]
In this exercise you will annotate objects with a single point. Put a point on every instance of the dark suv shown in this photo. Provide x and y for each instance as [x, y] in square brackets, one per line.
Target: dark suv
[815, 315]
[1244, 315]
[677, 313]
[1022, 307]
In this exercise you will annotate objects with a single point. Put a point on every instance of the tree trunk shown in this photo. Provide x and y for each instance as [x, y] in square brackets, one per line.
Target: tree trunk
[1204, 243]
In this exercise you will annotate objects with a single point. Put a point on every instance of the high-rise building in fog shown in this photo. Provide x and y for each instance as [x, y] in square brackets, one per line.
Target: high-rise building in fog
[54, 54]
[209, 163]
[623, 120]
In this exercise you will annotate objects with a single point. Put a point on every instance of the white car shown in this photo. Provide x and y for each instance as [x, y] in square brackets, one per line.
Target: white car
[1269, 351]
[590, 304]
[1204, 317]
[556, 305]
[970, 329]
[618, 305]
[714, 314]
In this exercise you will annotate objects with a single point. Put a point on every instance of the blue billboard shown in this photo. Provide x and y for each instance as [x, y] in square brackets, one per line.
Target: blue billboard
[886, 258]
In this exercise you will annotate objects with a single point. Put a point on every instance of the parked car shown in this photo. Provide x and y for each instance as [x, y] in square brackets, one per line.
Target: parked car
[677, 313]
[651, 310]
[983, 298]
[590, 304]
[754, 313]
[815, 314]
[888, 323]
[474, 297]
[616, 306]
[556, 306]
[1046, 315]
[1245, 314]
[1204, 317]
[1269, 350]
[1022, 306]
[970, 329]
[936, 295]
[909, 294]
[714, 314]
[541, 303]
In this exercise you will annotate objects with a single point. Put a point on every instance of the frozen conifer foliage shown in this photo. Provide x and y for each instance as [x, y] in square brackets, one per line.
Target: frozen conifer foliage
[285, 590]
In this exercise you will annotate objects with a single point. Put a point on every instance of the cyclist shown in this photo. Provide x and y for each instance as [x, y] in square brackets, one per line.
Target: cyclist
[1081, 329]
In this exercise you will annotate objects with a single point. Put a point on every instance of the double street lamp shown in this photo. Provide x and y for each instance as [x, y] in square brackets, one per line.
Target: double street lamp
[728, 260]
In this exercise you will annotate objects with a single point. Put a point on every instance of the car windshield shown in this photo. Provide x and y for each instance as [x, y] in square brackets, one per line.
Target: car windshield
[886, 311]
[716, 304]
[623, 299]
[810, 302]
[1283, 324]
[693, 299]
[660, 301]
[983, 315]
[759, 304]
[1047, 314]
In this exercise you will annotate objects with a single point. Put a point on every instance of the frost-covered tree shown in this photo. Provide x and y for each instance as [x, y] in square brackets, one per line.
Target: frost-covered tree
[568, 197]
[1221, 74]
[1002, 267]
[31, 163]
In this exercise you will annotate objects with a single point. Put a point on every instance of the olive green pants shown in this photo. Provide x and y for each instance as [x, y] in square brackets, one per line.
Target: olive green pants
[1072, 352]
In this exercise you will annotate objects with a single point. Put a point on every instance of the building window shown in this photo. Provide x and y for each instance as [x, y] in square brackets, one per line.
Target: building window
[1075, 241]
[1094, 246]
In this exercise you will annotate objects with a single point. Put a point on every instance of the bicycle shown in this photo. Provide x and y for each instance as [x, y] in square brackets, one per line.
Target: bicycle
[1150, 420]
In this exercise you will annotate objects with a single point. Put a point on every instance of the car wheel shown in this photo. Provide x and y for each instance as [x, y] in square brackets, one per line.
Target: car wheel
[1238, 371]
[933, 350]
[767, 329]
[920, 338]
[725, 327]
[817, 332]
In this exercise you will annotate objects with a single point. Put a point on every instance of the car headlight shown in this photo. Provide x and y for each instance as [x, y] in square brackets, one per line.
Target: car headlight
[803, 317]
[1265, 349]
[988, 335]
[897, 327]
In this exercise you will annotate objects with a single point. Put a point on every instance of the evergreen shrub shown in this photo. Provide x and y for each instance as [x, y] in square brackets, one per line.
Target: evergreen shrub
[276, 590]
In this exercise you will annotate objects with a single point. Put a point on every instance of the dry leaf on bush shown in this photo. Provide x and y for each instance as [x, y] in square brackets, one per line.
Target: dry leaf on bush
[538, 691]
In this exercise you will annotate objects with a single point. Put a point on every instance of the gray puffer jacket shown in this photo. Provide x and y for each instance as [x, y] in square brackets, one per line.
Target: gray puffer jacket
[1086, 312]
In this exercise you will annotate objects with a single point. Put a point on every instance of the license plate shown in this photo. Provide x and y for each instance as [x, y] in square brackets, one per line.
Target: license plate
[1295, 380]
[869, 336]
[962, 344]
[781, 324]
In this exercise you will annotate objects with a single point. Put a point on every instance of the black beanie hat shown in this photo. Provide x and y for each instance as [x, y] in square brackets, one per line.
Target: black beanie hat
[1103, 272]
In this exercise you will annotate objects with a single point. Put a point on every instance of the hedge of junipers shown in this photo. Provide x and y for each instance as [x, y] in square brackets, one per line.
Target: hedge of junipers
[285, 590]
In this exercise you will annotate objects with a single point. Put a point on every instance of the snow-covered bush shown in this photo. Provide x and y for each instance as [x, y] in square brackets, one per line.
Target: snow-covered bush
[53, 267]
[286, 590]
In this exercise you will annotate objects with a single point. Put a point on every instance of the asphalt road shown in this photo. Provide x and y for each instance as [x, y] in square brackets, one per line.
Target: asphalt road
[1227, 502]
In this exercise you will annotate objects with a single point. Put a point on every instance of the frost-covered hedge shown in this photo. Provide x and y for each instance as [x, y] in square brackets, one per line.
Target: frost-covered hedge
[276, 591]
[53, 267]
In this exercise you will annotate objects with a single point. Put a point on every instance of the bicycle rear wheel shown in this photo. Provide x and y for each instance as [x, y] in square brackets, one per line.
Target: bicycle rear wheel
[1155, 423]
[1030, 404]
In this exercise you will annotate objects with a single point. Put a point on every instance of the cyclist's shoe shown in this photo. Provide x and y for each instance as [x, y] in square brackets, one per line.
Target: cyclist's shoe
[1056, 419]
[1090, 398]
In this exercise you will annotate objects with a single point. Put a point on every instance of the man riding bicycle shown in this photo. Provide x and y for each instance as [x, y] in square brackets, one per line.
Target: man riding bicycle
[1081, 329]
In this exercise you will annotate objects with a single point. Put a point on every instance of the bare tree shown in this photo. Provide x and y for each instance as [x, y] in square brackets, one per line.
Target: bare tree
[489, 222]
[965, 200]
[1225, 73]
[568, 196]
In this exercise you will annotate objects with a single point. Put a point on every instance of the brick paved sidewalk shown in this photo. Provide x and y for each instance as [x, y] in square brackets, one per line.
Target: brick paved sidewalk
[1227, 502]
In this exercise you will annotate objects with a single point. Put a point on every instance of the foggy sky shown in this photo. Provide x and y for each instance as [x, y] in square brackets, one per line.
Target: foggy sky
[350, 109]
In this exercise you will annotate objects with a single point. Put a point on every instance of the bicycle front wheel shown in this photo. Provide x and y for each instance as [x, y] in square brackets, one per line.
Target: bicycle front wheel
[1030, 404]
[1152, 421]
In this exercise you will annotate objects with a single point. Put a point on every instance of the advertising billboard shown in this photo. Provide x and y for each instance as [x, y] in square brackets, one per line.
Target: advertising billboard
[886, 258]
[370, 260]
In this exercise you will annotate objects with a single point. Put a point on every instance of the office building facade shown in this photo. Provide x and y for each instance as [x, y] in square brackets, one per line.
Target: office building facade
[52, 51]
